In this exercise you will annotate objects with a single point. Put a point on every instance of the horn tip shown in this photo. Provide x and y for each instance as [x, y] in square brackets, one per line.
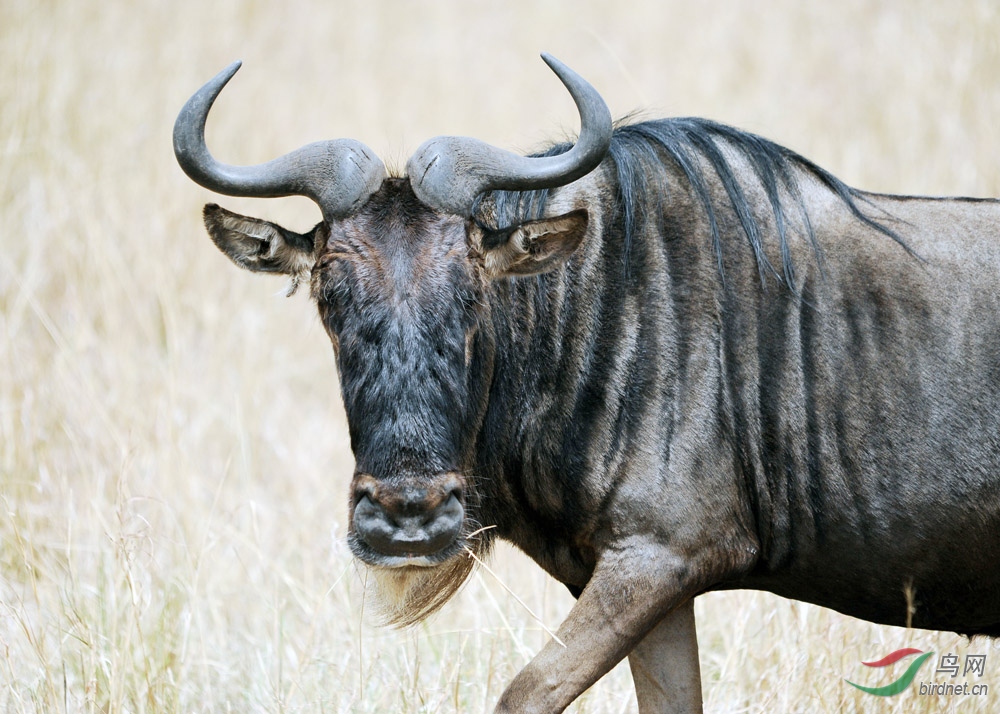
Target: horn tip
[549, 59]
[560, 68]
[227, 74]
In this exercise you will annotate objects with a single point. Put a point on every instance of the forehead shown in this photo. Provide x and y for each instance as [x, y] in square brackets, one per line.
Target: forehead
[397, 235]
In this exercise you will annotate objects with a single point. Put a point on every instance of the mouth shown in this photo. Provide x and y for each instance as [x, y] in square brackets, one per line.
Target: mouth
[371, 557]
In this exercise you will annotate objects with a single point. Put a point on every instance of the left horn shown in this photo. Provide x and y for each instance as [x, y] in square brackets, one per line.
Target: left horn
[450, 172]
[339, 175]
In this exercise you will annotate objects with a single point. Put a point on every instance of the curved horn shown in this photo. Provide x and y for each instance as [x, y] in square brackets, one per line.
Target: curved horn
[449, 172]
[338, 175]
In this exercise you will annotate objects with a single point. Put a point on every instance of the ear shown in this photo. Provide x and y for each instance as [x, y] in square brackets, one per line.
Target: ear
[536, 246]
[259, 245]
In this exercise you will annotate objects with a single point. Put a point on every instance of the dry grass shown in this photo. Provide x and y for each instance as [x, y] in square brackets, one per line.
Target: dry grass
[173, 456]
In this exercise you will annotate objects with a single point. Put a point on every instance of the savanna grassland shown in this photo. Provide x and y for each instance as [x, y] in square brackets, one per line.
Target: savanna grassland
[173, 453]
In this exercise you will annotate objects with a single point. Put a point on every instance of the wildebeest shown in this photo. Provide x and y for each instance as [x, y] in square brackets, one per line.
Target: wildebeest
[670, 358]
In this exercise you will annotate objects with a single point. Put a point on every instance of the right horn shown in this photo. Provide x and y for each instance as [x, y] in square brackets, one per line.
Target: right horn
[339, 175]
[450, 172]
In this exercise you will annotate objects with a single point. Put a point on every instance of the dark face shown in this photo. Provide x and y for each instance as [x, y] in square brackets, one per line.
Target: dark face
[401, 294]
[404, 294]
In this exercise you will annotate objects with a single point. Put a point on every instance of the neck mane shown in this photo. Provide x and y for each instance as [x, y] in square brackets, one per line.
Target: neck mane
[703, 154]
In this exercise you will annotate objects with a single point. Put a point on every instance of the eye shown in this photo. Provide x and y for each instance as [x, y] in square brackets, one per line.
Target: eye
[329, 280]
[327, 263]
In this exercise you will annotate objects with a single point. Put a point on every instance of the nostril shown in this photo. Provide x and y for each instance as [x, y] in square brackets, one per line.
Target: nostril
[364, 487]
[372, 522]
[453, 506]
[449, 508]
[366, 509]
[452, 488]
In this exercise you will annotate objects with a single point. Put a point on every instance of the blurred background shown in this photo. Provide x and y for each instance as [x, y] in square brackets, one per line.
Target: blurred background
[173, 453]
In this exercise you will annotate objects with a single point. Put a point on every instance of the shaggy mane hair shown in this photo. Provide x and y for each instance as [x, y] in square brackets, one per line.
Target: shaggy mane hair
[642, 153]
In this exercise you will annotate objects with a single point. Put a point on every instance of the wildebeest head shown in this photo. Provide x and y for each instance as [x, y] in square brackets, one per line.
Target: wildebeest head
[400, 271]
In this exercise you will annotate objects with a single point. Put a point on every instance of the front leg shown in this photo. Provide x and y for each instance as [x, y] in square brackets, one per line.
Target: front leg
[665, 666]
[631, 590]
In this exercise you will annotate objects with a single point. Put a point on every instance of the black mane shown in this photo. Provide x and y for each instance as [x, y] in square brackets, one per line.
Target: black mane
[640, 153]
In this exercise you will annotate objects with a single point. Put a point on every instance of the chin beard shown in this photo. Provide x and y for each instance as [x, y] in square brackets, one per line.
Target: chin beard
[406, 595]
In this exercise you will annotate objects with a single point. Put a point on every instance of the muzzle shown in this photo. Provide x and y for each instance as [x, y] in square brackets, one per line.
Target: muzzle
[410, 522]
